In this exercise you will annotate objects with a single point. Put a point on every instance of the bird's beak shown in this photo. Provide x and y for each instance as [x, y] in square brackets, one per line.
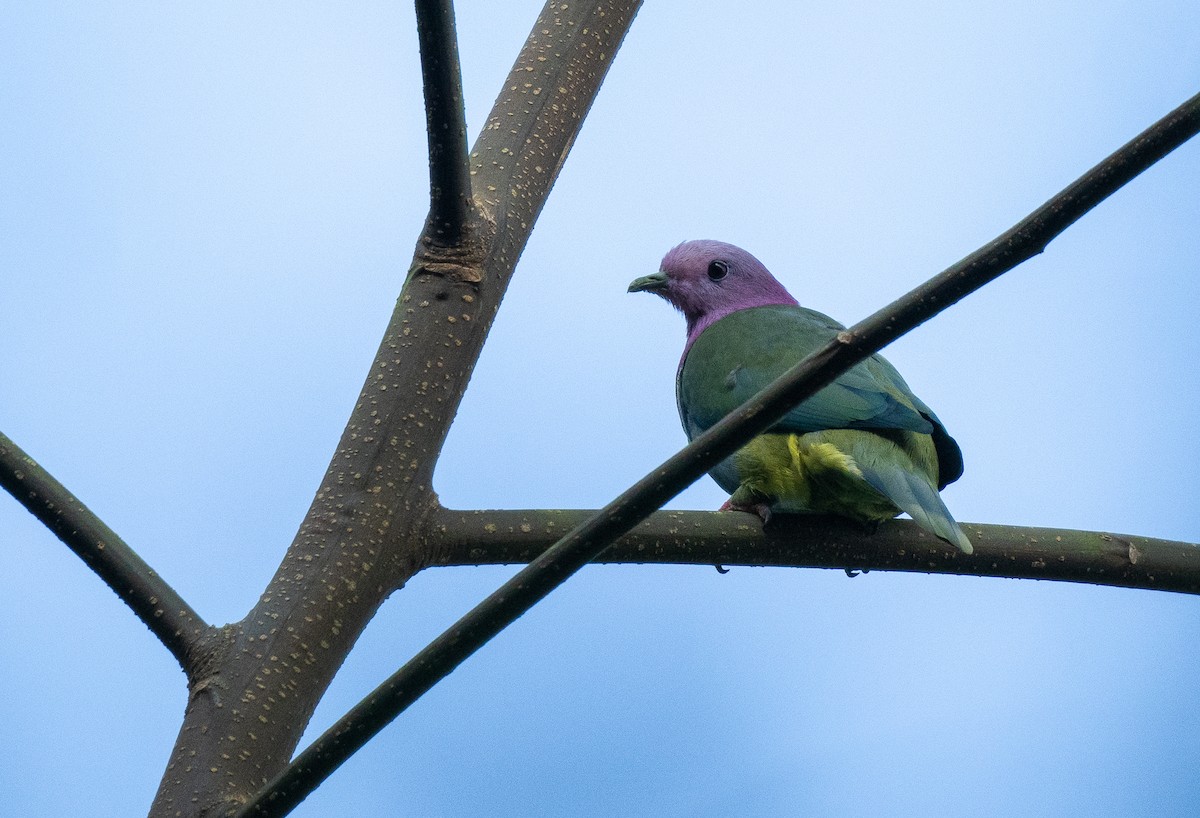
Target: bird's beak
[654, 283]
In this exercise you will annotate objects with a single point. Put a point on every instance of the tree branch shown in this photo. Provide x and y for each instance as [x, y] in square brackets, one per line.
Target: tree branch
[1031, 235]
[446, 124]
[147, 594]
[364, 534]
[799, 541]
[591, 536]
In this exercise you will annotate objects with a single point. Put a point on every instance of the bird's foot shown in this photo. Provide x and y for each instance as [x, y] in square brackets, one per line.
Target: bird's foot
[761, 510]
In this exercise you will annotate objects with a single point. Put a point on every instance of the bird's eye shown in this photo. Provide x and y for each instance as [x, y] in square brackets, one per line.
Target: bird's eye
[718, 269]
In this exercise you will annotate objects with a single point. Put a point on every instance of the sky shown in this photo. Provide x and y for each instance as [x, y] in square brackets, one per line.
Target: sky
[207, 214]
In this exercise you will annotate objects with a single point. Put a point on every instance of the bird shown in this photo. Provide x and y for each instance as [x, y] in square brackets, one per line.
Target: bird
[863, 448]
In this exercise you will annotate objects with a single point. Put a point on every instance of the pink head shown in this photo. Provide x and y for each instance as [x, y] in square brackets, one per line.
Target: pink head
[707, 280]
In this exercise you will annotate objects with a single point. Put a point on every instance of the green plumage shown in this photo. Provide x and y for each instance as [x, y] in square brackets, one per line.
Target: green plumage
[864, 447]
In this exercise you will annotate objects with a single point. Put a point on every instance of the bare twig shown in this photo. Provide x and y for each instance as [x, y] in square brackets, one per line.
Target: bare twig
[588, 539]
[155, 602]
[1027, 238]
[792, 540]
[445, 119]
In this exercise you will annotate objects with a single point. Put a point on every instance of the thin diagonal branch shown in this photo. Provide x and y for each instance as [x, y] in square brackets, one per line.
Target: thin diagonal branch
[155, 602]
[588, 539]
[804, 541]
[446, 124]
[1030, 236]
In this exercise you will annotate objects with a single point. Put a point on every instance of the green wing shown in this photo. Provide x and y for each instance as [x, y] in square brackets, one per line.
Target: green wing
[743, 352]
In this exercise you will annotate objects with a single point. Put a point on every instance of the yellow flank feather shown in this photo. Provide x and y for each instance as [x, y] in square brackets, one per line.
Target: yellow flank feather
[813, 473]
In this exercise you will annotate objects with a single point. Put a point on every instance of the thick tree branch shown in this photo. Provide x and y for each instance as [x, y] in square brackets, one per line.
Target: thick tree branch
[446, 124]
[591, 536]
[154, 602]
[735, 538]
[364, 533]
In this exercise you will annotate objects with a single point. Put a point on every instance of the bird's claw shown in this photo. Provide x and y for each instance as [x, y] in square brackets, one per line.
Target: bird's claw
[760, 510]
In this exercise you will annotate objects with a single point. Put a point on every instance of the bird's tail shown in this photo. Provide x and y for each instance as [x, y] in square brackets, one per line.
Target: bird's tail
[914, 495]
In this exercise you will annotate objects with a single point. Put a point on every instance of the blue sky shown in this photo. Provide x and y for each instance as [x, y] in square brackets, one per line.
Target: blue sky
[208, 210]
